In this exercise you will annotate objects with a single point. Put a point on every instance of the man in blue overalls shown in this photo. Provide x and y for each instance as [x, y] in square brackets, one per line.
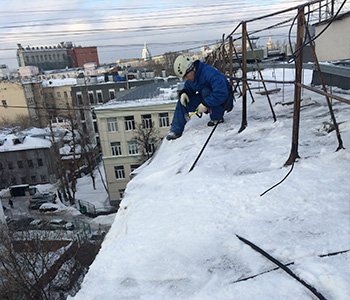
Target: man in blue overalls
[206, 90]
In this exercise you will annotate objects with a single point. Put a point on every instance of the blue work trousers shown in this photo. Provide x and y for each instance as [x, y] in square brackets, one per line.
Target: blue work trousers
[181, 112]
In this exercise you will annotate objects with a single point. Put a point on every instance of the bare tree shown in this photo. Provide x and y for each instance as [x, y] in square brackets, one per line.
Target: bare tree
[37, 265]
[147, 138]
[20, 122]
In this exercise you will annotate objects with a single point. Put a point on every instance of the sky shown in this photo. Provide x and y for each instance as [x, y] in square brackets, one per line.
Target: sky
[120, 28]
[175, 234]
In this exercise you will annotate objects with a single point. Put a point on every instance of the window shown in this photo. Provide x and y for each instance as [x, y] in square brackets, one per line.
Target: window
[82, 115]
[40, 162]
[133, 167]
[133, 148]
[91, 97]
[150, 148]
[65, 94]
[1, 166]
[30, 163]
[10, 165]
[121, 193]
[112, 125]
[43, 178]
[99, 96]
[58, 94]
[33, 179]
[24, 179]
[79, 98]
[146, 121]
[4, 103]
[20, 164]
[116, 149]
[119, 172]
[163, 120]
[111, 94]
[129, 123]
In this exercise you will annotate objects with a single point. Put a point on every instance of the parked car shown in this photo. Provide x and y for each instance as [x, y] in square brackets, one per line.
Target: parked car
[61, 224]
[40, 198]
[49, 196]
[36, 224]
[48, 207]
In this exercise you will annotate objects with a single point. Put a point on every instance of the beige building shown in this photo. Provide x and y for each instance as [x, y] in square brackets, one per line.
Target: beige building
[334, 43]
[13, 105]
[117, 124]
[58, 98]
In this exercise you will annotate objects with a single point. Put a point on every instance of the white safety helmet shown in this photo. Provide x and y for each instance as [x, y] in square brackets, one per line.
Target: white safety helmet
[182, 65]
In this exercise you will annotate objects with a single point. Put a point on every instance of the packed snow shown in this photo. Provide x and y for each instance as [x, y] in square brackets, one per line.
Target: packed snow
[174, 236]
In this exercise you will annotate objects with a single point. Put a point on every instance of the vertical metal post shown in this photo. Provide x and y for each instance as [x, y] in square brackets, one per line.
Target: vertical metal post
[297, 89]
[244, 76]
[324, 88]
[230, 53]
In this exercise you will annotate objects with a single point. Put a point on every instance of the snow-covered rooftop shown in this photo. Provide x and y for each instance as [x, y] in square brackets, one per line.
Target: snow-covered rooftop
[166, 96]
[59, 82]
[174, 236]
[27, 143]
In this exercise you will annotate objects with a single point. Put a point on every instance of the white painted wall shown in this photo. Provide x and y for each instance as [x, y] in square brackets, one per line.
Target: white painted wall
[334, 43]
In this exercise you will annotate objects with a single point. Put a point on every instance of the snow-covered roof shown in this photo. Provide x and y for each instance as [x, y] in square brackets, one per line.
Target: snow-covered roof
[174, 236]
[167, 95]
[28, 143]
[59, 82]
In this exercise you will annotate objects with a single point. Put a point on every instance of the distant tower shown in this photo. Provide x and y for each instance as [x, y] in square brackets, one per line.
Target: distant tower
[269, 44]
[146, 55]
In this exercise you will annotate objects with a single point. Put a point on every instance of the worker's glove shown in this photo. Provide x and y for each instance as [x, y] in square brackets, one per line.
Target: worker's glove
[184, 99]
[201, 108]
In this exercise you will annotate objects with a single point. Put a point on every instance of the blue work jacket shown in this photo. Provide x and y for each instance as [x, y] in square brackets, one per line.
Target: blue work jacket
[210, 83]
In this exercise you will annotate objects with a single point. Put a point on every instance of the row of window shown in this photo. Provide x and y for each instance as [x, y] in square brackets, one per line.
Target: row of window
[45, 57]
[24, 180]
[94, 99]
[21, 164]
[146, 121]
[133, 148]
[119, 171]
[59, 95]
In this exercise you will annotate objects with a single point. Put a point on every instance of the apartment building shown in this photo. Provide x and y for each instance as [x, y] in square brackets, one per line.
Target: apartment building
[118, 122]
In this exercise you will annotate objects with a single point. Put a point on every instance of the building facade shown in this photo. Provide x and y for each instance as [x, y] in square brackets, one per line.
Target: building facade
[58, 56]
[25, 160]
[13, 105]
[89, 93]
[118, 124]
[79, 56]
[336, 38]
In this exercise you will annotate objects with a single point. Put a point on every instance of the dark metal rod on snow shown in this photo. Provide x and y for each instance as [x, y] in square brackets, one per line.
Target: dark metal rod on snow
[205, 144]
[282, 266]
